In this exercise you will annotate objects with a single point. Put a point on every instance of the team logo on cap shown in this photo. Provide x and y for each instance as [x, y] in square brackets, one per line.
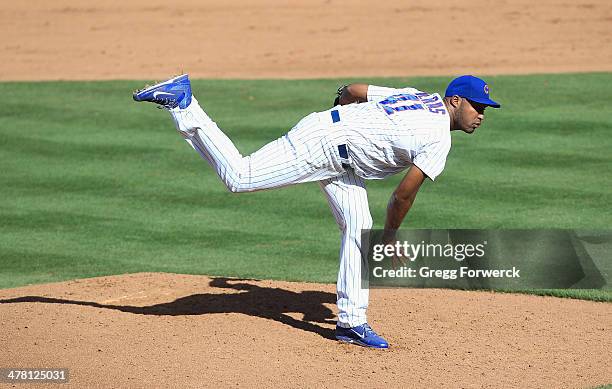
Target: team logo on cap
[486, 89]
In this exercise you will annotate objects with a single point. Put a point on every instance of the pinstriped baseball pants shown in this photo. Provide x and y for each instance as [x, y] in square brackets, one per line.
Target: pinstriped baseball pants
[307, 153]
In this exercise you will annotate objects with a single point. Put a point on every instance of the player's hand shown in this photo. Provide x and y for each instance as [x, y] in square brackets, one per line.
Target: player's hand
[398, 260]
[388, 238]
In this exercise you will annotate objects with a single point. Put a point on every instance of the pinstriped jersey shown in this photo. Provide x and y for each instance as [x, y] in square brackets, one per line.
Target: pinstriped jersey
[395, 129]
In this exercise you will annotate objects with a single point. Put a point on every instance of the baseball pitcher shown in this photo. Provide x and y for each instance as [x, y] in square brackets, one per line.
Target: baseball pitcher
[372, 132]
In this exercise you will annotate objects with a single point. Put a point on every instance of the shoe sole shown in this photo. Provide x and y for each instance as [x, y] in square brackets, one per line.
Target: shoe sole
[345, 339]
[149, 89]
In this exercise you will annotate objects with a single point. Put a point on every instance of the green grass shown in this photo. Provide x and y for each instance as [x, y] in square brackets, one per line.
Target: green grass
[95, 184]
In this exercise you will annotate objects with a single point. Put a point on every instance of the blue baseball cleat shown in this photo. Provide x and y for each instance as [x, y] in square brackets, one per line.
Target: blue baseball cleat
[362, 335]
[170, 94]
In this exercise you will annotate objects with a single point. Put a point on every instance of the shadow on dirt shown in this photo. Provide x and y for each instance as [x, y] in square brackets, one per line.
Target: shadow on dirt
[253, 300]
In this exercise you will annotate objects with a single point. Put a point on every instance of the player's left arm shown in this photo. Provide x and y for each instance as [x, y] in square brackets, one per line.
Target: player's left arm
[401, 201]
[352, 93]
[361, 93]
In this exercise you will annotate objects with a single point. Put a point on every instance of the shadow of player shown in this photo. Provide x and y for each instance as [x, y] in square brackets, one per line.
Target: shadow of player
[253, 300]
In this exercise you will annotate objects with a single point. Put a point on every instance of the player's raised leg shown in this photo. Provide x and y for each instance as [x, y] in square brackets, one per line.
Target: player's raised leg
[348, 201]
[301, 155]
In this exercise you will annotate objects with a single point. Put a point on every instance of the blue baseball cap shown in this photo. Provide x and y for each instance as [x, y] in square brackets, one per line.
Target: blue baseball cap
[472, 88]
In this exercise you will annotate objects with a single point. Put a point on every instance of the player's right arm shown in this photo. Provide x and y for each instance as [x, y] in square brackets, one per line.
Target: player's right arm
[401, 201]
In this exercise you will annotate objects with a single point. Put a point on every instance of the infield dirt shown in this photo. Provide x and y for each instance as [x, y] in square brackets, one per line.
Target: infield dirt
[164, 330]
[145, 39]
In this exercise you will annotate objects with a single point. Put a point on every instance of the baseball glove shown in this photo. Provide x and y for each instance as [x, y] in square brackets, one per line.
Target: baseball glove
[338, 94]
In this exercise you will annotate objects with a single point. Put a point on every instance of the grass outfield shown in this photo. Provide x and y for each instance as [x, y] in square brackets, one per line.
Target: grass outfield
[95, 184]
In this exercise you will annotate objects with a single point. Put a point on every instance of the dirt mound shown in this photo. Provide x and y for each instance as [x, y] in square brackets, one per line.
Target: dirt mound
[166, 330]
[138, 39]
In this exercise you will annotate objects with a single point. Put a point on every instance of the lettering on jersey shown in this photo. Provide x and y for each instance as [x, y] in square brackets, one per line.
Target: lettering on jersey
[432, 102]
[391, 110]
[429, 102]
[397, 98]
[428, 99]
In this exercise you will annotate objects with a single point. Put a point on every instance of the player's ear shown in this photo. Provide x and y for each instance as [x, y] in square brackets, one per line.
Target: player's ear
[453, 101]
[456, 101]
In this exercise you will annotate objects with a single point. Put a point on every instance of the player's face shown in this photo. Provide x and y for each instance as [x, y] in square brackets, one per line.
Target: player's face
[471, 115]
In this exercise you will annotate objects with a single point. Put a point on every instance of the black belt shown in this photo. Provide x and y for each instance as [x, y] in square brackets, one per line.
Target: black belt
[342, 149]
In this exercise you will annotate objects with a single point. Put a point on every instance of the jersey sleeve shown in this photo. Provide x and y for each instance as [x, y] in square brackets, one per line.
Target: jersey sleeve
[378, 93]
[431, 158]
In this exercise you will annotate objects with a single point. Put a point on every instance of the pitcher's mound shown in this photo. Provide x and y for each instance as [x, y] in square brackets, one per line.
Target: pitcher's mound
[167, 330]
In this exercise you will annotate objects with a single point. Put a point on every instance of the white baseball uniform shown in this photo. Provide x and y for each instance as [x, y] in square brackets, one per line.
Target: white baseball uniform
[340, 148]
